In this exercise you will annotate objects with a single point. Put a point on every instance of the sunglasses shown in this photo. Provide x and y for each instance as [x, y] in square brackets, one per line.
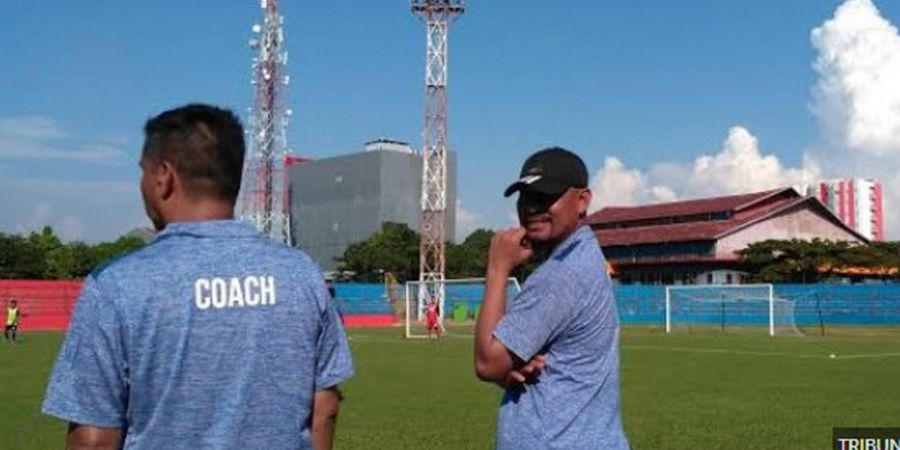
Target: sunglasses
[534, 202]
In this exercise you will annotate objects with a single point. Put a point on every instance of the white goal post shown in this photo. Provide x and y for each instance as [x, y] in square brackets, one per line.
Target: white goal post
[734, 305]
[468, 291]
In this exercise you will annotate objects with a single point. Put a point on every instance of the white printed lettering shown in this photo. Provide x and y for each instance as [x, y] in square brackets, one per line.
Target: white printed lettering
[219, 293]
[201, 286]
[267, 290]
[252, 294]
[235, 294]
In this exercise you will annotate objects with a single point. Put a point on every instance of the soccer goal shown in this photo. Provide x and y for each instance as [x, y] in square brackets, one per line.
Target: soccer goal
[460, 300]
[728, 307]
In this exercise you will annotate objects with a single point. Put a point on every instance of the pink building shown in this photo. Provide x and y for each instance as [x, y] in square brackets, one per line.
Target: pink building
[856, 201]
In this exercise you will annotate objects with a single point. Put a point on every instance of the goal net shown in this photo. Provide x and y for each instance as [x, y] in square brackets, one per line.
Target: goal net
[728, 307]
[459, 302]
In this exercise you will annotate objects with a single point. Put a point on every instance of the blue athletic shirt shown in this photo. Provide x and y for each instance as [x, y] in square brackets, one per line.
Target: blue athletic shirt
[566, 309]
[212, 336]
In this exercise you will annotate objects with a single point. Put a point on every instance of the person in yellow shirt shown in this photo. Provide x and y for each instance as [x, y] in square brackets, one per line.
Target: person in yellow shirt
[12, 321]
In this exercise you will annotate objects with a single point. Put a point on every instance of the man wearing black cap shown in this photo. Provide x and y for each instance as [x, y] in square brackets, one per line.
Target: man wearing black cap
[555, 346]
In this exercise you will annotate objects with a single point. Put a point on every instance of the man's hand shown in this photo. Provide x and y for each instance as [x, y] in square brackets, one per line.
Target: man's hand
[530, 370]
[493, 361]
[324, 417]
[86, 437]
[507, 250]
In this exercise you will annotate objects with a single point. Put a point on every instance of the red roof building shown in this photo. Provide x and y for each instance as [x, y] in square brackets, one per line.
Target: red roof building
[695, 241]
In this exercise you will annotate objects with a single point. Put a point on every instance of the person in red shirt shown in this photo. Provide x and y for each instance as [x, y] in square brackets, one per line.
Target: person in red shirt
[432, 319]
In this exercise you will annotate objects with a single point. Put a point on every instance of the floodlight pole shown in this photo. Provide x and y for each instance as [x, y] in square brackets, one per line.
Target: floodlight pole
[437, 15]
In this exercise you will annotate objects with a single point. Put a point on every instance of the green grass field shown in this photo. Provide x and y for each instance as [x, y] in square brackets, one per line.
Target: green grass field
[697, 391]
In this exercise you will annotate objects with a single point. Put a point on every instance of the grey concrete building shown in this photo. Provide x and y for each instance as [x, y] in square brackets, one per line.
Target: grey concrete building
[337, 201]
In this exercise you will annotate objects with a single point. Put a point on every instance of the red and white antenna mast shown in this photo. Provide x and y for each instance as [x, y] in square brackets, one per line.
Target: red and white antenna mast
[437, 15]
[263, 200]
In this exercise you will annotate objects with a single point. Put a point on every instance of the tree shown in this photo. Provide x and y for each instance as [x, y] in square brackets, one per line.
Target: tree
[60, 263]
[13, 250]
[798, 261]
[394, 248]
[42, 255]
[107, 250]
[83, 259]
[39, 245]
[469, 258]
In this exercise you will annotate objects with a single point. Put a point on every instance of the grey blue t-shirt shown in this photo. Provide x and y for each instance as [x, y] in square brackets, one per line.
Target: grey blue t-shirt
[209, 337]
[566, 309]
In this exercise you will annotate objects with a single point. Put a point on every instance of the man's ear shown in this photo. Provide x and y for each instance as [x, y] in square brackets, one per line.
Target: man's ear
[584, 201]
[165, 180]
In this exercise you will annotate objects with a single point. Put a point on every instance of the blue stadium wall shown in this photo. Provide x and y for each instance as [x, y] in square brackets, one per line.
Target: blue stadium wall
[874, 304]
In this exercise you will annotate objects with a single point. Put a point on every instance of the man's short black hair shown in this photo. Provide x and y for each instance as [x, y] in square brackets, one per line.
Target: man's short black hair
[204, 143]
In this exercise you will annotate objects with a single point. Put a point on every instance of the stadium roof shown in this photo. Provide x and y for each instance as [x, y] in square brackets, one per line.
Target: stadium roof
[705, 219]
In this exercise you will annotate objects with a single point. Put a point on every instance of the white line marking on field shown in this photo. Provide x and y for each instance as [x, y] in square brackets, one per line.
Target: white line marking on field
[725, 351]
[716, 350]
[753, 353]
[399, 338]
[869, 355]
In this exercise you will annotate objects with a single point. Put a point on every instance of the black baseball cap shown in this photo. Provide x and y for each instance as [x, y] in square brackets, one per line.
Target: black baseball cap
[550, 171]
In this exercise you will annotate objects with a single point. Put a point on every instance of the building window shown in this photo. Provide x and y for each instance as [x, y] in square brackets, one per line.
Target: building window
[709, 278]
[728, 278]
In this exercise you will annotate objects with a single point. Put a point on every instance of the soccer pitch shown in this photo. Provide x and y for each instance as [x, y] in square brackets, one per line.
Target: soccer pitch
[688, 391]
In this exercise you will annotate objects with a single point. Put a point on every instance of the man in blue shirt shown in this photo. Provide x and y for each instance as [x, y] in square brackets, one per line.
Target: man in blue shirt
[209, 337]
[555, 346]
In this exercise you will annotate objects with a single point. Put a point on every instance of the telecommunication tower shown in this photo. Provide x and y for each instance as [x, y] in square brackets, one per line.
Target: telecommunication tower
[263, 200]
[437, 15]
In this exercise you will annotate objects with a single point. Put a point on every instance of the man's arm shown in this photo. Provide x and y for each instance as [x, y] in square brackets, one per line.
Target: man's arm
[86, 437]
[493, 361]
[324, 417]
[89, 385]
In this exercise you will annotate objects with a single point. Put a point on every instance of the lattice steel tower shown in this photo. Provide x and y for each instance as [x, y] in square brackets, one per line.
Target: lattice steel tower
[437, 15]
[263, 200]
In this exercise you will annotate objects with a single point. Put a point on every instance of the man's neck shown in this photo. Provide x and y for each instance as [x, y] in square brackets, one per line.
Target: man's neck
[201, 211]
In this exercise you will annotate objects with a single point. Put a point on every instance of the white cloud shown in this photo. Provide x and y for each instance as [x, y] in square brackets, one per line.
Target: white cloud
[857, 96]
[856, 99]
[31, 127]
[739, 166]
[77, 210]
[40, 138]
[467, 221]
[617, 185]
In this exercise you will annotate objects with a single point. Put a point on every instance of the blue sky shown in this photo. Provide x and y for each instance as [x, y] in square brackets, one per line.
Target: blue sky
[653, 84]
